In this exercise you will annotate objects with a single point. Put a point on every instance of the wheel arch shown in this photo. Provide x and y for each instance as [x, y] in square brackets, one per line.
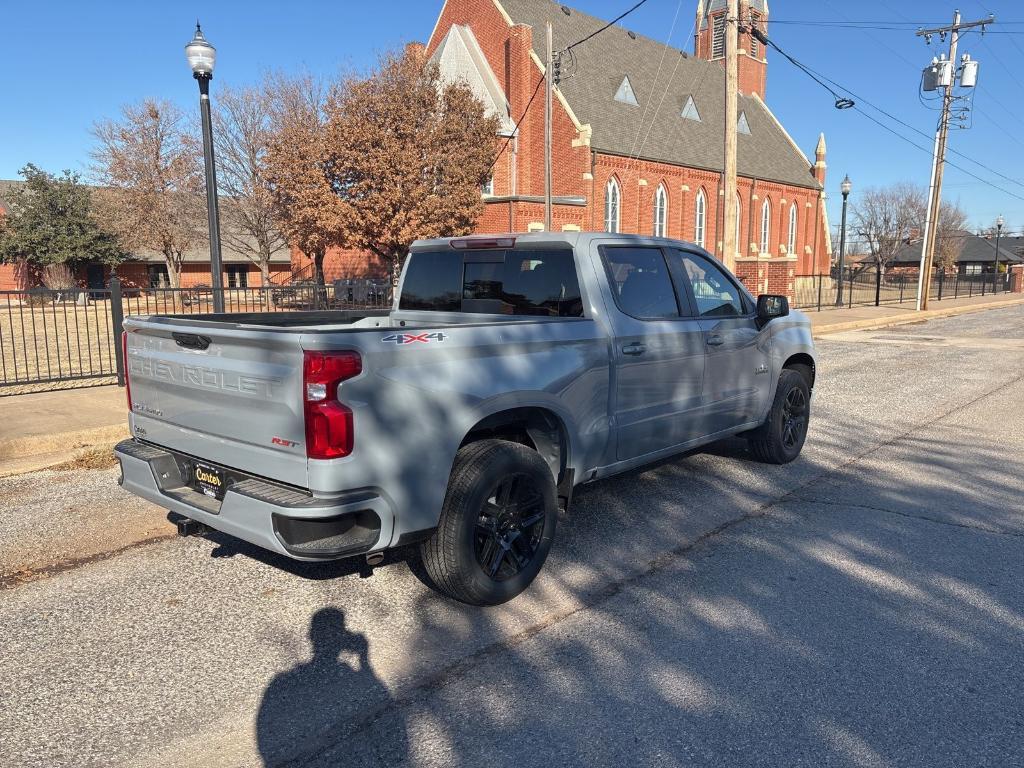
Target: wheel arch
[536, 427]
[804, 364]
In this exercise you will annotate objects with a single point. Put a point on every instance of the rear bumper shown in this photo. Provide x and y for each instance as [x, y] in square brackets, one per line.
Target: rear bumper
[281, 519]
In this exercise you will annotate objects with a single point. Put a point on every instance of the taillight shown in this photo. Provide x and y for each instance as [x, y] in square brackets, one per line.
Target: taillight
[329, 427]
[124, 361]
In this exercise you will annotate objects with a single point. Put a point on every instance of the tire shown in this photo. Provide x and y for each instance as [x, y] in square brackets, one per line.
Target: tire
[497, 524]
[781, 438]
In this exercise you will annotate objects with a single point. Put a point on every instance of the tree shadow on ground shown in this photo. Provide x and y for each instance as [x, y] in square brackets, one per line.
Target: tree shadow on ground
[735, 614]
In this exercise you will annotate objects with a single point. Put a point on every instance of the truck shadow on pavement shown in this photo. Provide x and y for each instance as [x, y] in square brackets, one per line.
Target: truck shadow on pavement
[306, 708]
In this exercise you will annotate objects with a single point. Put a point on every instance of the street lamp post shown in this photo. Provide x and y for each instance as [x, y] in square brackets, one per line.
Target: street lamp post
[995, 262]
[845, 188]
[201, 57]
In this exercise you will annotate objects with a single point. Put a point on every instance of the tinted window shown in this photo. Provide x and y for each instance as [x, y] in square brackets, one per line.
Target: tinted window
[525, 282]
[640, 281]
[433, 280]
[715, 293]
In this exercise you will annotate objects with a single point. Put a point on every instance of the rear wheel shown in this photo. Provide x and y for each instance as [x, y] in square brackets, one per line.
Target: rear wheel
[497, 524]
[781, 438]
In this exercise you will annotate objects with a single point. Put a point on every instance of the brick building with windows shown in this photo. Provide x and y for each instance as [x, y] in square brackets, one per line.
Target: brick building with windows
[637, 136]
[148, 269]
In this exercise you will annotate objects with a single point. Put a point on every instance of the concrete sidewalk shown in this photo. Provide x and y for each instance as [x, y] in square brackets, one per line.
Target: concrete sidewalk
[45, 428]
[861, 318]
[41, 429]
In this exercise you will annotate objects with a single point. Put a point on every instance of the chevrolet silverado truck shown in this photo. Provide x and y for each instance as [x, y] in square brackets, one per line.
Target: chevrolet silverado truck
[509, 370]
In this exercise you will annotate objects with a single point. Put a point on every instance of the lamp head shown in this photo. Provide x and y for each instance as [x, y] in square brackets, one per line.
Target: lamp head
[846, 186]
[200, 54]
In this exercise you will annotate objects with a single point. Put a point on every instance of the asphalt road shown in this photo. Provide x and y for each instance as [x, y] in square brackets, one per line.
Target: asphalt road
[863, 606]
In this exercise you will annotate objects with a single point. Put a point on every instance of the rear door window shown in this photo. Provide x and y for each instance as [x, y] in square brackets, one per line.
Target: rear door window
[433, 280]
[640, 282]
[506, 282]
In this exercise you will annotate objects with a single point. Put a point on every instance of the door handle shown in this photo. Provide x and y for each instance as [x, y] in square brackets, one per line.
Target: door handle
[634, 349]
[715, 341]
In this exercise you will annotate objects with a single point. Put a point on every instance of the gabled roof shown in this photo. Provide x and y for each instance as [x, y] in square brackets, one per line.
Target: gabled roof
[459, 57]
[767, 153]
[974, 249]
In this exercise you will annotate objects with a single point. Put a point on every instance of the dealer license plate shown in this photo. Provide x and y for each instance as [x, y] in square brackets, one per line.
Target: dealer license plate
[209, 480]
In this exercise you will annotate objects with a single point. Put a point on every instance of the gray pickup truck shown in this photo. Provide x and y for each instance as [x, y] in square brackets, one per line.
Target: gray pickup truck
[510, 370]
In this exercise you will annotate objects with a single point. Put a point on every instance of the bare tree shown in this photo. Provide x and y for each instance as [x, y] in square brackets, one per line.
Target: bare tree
[297, 168]
[883, 218]
[154, 182]
[949, 238]
[242, 122]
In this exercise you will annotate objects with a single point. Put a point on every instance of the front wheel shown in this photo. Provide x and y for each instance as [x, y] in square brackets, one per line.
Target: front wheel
[497, 524]
[781, 438]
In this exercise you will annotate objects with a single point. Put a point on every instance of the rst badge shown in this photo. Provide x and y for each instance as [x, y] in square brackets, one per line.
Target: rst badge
[414, 338]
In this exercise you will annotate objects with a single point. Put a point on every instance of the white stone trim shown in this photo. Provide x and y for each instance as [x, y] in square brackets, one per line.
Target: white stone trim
[502, 11]
[437, 24]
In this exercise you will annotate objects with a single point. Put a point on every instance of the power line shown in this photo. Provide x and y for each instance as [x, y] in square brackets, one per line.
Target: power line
[515, 130]
[540, 82]
[654, 85]
[917, 69]
[887, 24]
[614, 21]
[922, 133]
[899, 135]
[822, 80]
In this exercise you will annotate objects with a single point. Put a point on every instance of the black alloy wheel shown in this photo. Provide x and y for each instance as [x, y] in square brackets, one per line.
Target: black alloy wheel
[510, 527]
[496, 526]
[794, 418]
[781, 438]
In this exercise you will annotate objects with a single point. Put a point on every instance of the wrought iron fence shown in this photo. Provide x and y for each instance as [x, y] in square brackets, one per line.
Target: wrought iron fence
[866, 286]
[52, 338]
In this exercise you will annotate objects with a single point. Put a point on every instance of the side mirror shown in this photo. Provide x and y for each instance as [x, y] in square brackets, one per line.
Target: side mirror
[770, 306]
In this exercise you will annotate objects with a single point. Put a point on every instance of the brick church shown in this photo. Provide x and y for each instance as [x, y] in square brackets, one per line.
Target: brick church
[637, 136]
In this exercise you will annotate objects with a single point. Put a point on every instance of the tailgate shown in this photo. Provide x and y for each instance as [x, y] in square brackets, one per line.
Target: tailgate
[231, 396]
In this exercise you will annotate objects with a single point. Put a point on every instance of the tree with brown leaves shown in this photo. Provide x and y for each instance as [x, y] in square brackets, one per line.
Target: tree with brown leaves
[297, 168]
[242, 129]
[153, 178]
[382, 161]
[408, 155]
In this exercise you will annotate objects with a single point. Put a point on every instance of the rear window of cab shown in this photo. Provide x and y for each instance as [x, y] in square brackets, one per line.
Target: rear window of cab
[499, 282]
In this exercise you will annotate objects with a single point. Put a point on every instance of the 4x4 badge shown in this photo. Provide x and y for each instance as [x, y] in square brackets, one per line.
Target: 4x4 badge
[413, 338]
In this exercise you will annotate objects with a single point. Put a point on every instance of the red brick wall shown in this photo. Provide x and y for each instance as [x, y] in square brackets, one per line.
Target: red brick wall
[1017, 279]
[13, 277]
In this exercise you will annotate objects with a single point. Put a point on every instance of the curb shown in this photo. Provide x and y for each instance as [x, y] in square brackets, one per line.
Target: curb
[28, 454]
[918, 317]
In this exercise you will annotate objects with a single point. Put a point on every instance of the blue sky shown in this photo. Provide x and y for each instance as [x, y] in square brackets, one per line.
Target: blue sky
[69, 64]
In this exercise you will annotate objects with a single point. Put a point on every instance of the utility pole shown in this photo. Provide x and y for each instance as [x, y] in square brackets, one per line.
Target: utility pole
[548, 89]
[731, 116]
[947, 81]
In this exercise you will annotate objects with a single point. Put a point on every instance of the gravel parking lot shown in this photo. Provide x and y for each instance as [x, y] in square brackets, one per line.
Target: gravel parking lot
[863, 606]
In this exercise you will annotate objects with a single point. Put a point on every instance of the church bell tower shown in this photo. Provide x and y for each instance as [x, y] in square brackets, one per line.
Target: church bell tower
[753, 57]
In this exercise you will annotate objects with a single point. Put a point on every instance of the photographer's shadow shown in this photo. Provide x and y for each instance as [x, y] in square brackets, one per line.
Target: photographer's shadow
[309, 711]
